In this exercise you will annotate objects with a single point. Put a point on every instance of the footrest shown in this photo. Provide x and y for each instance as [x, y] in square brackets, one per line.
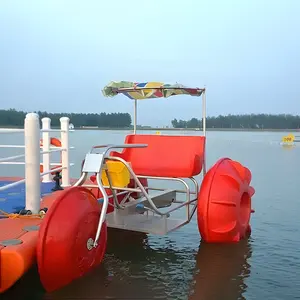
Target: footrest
[161, 199]
[144, 223]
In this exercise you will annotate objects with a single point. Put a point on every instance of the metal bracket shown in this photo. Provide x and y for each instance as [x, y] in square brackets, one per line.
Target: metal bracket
[92, 163]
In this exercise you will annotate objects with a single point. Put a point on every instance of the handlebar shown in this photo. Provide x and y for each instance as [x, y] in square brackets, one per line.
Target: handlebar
[111, 146]
[98, 178]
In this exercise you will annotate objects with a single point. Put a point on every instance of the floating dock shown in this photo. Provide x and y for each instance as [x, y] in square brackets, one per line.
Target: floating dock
[19, 229]
[18, 234]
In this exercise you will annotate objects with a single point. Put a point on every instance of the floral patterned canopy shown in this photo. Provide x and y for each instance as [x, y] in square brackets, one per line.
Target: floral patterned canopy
[147, 90]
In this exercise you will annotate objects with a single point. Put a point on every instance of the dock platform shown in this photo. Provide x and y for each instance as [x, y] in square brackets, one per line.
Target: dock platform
[13, 200]
[18, 234]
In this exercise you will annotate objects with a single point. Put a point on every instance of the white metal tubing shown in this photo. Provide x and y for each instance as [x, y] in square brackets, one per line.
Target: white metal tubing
[204, 112]
[52, 171]
[23, 163]
[53, 130]
[10, 185]
[32, 162]
[64, 125]
[12, 163]
[11, 130]
[54, 150]
[12, 146]
[135, 116]
[46, 125]
[11, 157]
[103, 209]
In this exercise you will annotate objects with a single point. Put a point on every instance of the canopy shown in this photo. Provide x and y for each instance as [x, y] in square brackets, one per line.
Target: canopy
[146, 90]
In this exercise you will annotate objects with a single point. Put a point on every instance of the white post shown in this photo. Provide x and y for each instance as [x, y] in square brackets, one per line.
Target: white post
[64, 126]
[204, 112]
[32, 162]
[135, 116]
[46, 124]
[204, 128]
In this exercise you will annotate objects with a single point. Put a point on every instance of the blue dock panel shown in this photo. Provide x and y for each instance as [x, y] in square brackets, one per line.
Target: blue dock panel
[13, 200]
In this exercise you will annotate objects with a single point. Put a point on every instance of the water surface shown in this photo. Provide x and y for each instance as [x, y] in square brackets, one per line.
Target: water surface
[179, 266]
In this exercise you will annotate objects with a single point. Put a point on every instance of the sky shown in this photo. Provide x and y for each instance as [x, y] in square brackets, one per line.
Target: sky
[57, 55]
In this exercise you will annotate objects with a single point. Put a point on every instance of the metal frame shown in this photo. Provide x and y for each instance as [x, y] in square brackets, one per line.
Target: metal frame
[95, 163]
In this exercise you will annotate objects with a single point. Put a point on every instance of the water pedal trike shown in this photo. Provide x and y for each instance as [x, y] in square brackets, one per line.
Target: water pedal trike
[114, 191]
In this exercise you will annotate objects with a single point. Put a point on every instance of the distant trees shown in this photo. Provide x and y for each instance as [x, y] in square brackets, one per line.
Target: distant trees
[13, 117]
[193, 123]
[250, 121]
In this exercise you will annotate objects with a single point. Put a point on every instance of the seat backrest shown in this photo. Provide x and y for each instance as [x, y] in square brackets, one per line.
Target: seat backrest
[165, 156]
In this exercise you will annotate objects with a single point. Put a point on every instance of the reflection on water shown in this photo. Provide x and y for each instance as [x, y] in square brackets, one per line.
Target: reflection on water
[221, 271]
[132, 269]
[135, 268]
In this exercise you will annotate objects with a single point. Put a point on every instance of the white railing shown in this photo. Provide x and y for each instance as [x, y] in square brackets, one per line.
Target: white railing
[32, 136]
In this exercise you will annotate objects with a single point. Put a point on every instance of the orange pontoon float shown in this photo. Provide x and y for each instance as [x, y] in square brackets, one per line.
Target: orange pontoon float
[113, 191]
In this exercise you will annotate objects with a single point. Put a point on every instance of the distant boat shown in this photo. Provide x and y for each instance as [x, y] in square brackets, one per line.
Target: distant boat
[71, 126]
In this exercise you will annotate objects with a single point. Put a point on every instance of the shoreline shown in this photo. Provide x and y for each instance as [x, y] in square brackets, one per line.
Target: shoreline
[172, 129]
[192, 129]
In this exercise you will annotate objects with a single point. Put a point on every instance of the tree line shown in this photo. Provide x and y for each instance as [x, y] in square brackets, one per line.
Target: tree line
[248, 121]
[16, 118]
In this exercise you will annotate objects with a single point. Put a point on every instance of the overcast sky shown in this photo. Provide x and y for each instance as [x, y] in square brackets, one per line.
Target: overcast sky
[57, 55]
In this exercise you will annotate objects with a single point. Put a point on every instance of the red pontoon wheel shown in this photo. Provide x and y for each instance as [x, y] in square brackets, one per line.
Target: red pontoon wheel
[224, 202]
[64, 248]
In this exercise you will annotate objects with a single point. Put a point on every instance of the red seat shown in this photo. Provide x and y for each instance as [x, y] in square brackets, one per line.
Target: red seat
[165, 156]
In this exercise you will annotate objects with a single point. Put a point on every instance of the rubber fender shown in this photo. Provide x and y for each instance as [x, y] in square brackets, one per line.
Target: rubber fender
[224, 202]
[65, 243]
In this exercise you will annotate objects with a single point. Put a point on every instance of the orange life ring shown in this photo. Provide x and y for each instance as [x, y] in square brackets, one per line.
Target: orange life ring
[53, 142]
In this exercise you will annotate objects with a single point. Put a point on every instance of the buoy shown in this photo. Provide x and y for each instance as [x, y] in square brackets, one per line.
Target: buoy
[290, 138]
[65, 243]
[56, 143]
[224, 202]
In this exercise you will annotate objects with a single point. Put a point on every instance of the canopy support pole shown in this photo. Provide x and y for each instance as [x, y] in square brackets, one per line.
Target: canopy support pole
[135, 116]
[204, 127]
